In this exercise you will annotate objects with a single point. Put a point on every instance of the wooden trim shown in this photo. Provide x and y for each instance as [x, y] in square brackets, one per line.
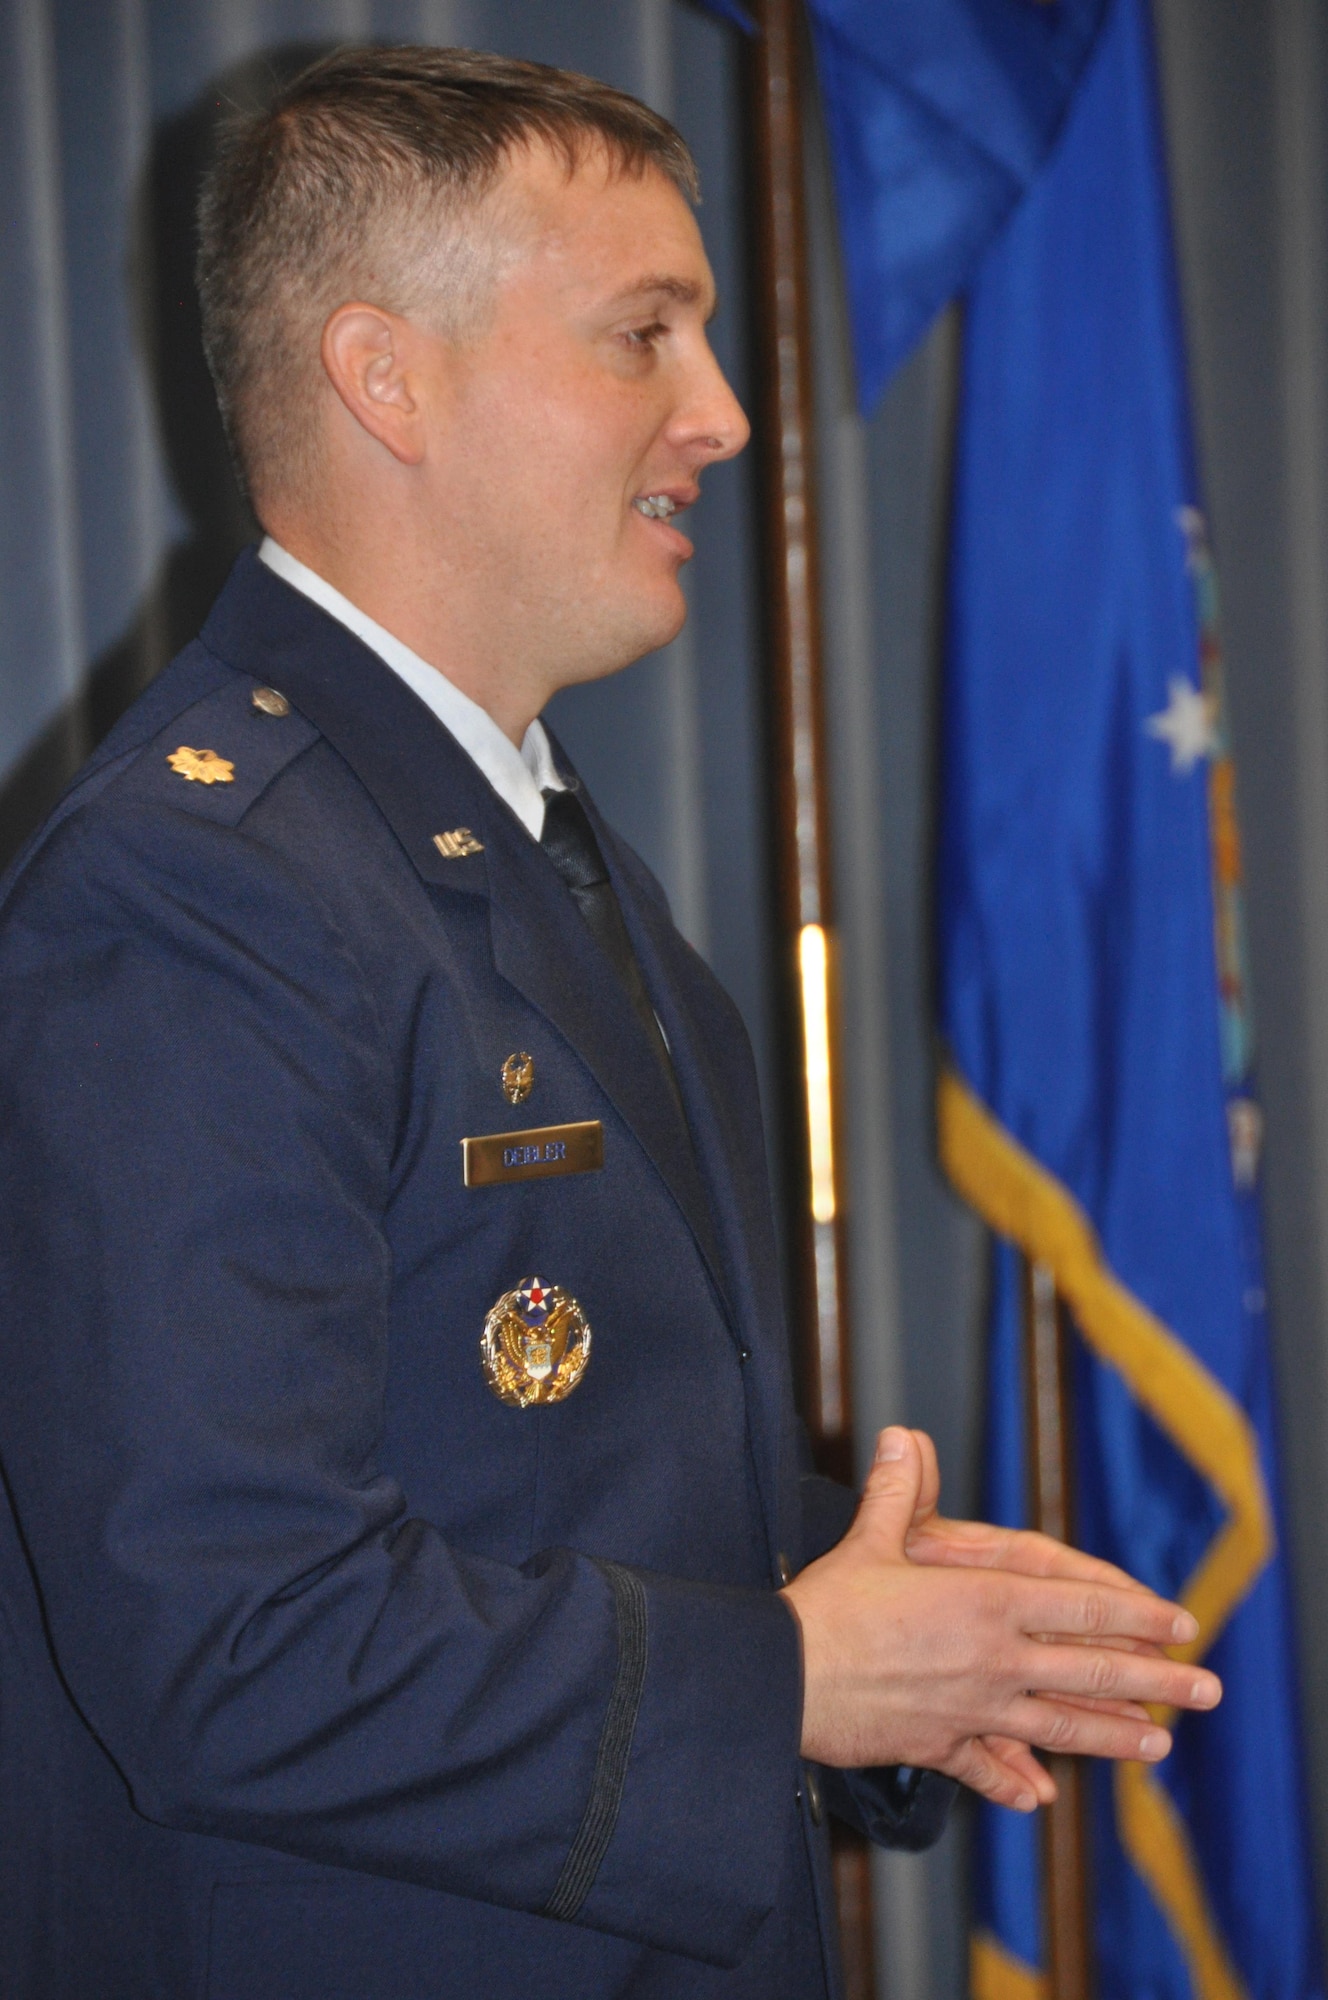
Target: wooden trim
[1064, 1823]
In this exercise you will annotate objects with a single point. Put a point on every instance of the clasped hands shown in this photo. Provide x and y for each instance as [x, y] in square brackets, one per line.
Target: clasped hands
[960, 1648]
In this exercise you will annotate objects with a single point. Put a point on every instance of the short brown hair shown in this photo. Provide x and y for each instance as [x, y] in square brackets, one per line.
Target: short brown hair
[312, 200]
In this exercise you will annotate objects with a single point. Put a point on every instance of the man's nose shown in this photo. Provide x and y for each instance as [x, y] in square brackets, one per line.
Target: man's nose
[712, 416]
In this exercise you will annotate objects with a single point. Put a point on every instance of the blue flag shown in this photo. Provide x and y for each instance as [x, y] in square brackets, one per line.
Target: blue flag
[939, 113]
[733, 11]
[1098, 1110]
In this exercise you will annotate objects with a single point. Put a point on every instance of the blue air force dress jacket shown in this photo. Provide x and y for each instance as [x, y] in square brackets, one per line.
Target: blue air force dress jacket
[324, 1673]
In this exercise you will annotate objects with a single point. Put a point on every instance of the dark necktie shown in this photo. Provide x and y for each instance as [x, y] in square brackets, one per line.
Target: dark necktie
[569, 841]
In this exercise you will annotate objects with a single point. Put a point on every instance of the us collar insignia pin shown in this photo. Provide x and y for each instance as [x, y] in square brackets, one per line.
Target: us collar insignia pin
[460, 841]
[517, 1077]
[535, 1345]
[204, 767]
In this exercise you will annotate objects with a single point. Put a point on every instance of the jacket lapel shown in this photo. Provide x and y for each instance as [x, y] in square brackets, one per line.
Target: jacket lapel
[543, 948]
[717, 1079]
[424, 783]
[714, 1069]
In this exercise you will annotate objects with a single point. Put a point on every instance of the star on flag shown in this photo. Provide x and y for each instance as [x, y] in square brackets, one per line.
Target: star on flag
[1187, 723]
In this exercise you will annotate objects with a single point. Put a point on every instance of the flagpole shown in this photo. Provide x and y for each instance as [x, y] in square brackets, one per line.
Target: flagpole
[803, 879]
[803, 882]
[1065, 1846]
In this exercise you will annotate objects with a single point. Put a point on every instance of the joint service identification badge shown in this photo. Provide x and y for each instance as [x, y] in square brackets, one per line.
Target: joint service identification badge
[535, 1345]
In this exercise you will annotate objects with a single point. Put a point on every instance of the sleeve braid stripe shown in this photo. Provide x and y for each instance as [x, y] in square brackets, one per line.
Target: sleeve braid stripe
[615, 1744]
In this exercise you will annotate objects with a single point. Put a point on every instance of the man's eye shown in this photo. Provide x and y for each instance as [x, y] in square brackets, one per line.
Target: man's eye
[645, 336]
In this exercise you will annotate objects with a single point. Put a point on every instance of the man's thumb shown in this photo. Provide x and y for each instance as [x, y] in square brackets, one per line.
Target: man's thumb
[890, 1496]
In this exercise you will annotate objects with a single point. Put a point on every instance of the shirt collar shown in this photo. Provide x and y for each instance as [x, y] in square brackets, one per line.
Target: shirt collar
[520, 777]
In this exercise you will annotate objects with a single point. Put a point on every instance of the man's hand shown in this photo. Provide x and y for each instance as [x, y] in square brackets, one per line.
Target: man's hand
[917, 1662]
[979, 1545]
[931, 1538]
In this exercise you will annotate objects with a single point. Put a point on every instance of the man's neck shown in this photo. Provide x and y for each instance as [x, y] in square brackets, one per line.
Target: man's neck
[521, 776]
[415, 613]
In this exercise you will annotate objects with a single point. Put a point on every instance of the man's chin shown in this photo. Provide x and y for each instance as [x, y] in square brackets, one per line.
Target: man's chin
[634, 638]
[662, 617]
[620, 630]
[669, 627]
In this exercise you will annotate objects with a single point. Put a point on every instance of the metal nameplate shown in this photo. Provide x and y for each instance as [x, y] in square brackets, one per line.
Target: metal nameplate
[533, 1156]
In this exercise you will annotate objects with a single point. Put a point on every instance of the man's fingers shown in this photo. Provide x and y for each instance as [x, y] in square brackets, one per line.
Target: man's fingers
[978, 1545]
[1080, 1732]
[1144, 1646]
[1098, 1705]
[890, 1496]
[1105, 1674]
[974, 1765]
[1041, 1555]
[929, 1492]
[1099, 1611]
[1019, 1759]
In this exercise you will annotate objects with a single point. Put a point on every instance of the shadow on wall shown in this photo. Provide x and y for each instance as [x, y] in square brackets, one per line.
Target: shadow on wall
[160, 278]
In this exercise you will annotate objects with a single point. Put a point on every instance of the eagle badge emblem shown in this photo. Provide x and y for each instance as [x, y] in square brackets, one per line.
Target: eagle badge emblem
[535, 1345]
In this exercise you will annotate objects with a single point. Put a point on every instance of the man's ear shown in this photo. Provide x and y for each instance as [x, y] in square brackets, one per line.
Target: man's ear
[367, 355]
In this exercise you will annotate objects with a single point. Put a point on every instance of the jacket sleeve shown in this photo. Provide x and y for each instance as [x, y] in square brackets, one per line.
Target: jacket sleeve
[893, 1807]
[198, 1111]
[827, 1514]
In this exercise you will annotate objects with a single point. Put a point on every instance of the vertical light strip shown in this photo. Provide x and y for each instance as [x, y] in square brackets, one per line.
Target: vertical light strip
[39, 342]
[813, 962]
[682, 768]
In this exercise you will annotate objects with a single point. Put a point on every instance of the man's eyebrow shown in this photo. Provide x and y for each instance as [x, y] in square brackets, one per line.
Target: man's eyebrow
[684, 291]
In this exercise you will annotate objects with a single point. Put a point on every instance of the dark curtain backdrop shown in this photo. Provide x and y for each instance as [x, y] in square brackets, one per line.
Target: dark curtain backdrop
[119, 517]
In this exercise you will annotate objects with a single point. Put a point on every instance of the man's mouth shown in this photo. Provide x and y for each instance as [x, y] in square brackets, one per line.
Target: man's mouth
[655, 506]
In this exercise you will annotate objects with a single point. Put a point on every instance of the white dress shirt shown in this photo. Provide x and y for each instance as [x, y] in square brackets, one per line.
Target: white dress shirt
[519, 777]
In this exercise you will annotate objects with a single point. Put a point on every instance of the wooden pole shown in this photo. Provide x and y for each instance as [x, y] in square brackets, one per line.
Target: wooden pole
[1065, 1847]
[803, 881]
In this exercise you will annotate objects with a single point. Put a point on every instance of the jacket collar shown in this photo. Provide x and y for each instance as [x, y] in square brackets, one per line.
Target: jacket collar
[424, 784]
[418, 776]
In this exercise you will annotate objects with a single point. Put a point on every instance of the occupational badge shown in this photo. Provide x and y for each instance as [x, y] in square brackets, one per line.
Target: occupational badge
[205, 767]
[535, 1345]
[518, 1077]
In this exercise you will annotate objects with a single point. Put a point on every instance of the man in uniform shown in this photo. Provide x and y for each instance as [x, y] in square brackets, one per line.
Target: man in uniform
[410, 1581]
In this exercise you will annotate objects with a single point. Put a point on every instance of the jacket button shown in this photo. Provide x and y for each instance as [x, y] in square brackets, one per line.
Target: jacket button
[814, 1803]
[785, 1569]
[269, 702]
